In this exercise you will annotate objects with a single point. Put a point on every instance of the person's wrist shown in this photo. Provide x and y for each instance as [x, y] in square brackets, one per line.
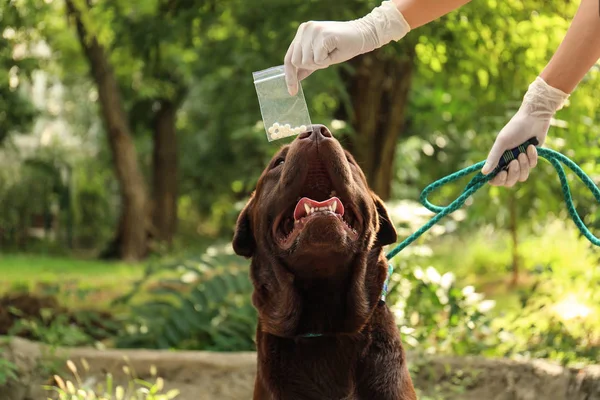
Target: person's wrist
[382, 25]
[543, 100]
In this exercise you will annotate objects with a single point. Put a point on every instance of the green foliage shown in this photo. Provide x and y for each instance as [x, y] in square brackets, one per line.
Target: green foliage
[558, 312]
[16, 64]
[29, 189]
[57, 327]
[94, 215]
[65, 196]
[552, 314]
[136, 389]
[8, 370]
[206, 308]
[56, 331]
[437, 316]
[537, 332]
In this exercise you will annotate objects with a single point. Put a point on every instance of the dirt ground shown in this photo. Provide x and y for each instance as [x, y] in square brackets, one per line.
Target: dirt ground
[230, 376]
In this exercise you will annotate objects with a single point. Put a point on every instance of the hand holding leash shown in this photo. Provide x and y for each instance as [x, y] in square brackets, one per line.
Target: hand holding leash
[555, 158]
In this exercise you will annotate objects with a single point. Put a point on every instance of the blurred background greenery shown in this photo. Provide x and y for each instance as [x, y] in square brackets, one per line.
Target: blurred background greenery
[130, 138]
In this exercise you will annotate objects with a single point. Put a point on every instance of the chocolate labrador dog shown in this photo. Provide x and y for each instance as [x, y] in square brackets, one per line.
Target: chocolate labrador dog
[314, 231]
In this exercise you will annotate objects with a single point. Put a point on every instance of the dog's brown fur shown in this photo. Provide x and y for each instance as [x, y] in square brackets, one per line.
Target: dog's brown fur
[325, 283]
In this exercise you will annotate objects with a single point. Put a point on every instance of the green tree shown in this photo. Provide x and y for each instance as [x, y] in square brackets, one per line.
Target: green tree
[16, 110]
[140, 57]
[150, 49]
[133, 225]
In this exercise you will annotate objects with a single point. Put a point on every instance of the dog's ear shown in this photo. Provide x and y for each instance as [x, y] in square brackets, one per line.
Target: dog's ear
[387, 232]
[243, 238]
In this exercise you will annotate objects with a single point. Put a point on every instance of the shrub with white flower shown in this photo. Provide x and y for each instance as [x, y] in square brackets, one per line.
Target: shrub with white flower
[437, 316]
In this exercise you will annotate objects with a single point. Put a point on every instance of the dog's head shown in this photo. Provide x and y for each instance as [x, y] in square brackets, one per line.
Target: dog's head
[314, 231]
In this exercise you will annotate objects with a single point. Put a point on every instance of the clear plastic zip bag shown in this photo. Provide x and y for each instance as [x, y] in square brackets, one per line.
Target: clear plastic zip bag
[283, 115]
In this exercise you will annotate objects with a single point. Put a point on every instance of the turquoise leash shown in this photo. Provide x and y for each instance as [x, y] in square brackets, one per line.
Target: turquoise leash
[555, 158]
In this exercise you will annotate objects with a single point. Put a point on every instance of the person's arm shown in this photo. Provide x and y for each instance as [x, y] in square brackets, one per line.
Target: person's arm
[579, 50]
[319, 44]
[421, 12]
[577, 53]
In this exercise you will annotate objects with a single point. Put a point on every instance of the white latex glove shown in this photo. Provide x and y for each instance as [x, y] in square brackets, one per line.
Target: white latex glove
[540, 103]
[319, 44]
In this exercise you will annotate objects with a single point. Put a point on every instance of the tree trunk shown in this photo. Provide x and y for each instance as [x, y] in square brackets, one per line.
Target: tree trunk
[132, 233]
[379, 90]
[165, 172]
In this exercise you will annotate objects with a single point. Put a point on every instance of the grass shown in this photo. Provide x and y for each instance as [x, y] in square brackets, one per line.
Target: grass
[90, 282]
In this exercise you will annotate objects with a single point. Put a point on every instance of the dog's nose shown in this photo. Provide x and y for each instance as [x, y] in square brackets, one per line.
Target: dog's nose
[319, 132]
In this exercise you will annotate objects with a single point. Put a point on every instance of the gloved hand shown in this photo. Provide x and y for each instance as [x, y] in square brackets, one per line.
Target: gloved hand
[540, 103]
[319, 44]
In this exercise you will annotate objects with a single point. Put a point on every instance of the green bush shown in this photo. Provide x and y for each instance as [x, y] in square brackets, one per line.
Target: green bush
[57, 331]
[41, 318]
[205, 307]
[558, 316]
[553, 312]
[437, 316]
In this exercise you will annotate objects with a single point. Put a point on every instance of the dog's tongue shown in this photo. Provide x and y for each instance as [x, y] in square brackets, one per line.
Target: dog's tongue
[307, 206]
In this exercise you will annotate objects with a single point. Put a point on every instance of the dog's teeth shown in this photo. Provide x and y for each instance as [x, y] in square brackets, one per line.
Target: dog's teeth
[307, 208]
[312, 210]
[334, 206]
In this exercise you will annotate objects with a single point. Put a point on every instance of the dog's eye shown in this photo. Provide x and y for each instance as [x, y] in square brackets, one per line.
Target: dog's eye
[278, 162]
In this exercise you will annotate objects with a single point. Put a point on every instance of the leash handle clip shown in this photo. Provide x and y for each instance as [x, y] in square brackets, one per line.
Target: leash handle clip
[513, 154]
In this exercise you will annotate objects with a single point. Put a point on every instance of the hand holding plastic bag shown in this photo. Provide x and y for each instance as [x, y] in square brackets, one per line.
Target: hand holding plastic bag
[319, 44]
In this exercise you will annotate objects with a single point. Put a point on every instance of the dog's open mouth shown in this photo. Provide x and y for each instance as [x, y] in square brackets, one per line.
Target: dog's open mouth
[293, 221]
[317, 202]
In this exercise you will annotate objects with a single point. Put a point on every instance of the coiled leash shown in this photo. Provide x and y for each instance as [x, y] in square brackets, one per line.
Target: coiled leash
[555, 158]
